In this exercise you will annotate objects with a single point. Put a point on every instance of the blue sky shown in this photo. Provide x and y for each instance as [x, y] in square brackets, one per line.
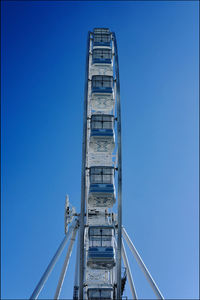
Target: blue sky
[43, 70]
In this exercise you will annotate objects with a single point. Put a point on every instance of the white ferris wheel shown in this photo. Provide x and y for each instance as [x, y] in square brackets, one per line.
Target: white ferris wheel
[98, 225]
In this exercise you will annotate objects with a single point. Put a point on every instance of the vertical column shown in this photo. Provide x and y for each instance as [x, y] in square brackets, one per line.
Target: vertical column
[119, 238]
[83, 177]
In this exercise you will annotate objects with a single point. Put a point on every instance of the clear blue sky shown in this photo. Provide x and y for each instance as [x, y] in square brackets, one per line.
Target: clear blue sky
[43, 70]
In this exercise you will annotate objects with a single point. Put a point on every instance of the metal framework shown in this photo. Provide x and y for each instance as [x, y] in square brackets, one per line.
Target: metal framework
[100, 248]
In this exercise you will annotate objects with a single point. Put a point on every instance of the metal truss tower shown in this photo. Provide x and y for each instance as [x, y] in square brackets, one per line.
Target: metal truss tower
[99, 223]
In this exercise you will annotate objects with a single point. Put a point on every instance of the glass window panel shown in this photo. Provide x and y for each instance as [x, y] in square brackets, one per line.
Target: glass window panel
[102, 53]
[106, 238]
[96, 125]
[106, 243]
[107, 118]
[95, 238]
[97, 118]
[98, 242]
[95, 53]
[107, 231]
[101, 237]
[91, 231]
[107, 125]
[95, 170]
[97, 231]
[95, 77]
[97, 83]
[97, 38]
[108, 171]
[105, 294]
[99, 171]
[107, 179]
[107, 53]
[100, 37]
[105, 171]
[101, 30]
[92, 178]
[102, 81]
[101, 231]
[92, 170]
[107, 78]
[102, 121]
[96, 174]
[95, 242]
[94, 294]
[98, 179]
[106, 81]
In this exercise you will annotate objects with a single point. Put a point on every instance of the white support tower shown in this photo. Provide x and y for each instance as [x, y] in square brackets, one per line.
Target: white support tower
[100, 249]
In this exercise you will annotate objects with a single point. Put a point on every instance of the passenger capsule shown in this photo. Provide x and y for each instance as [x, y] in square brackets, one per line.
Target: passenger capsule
[101, 37]
[101, 187]
[101, 253]
[102, 55]
[102, 138]
[102, 97]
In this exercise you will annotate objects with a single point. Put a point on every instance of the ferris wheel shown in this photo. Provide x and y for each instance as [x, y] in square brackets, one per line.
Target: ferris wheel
[101, 250]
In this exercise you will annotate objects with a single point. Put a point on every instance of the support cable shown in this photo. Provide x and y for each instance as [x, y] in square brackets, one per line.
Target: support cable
[142, 265]
[129, 275]
[65, 265]
[52, 263]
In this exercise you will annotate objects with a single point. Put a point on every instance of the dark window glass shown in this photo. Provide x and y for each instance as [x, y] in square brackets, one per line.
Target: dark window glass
[101, 38]
[101, 175]
[102, 121]
[101, 30]
[97, 294]
[100, 237]
[102, 81]
[102, 54]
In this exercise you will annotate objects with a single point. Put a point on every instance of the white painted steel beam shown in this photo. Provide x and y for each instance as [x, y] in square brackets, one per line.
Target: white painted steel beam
[119, 158]
[52, 263]
[65, 265]
[129, 275]
[142, 265]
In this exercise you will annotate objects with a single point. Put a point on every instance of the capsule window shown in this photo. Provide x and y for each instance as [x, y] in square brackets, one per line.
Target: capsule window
[101, 30]
[102, 122]
[102, 81]
[101, 175]
[96, 294]
[100, 237]
[102, 54]
[102, 38]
